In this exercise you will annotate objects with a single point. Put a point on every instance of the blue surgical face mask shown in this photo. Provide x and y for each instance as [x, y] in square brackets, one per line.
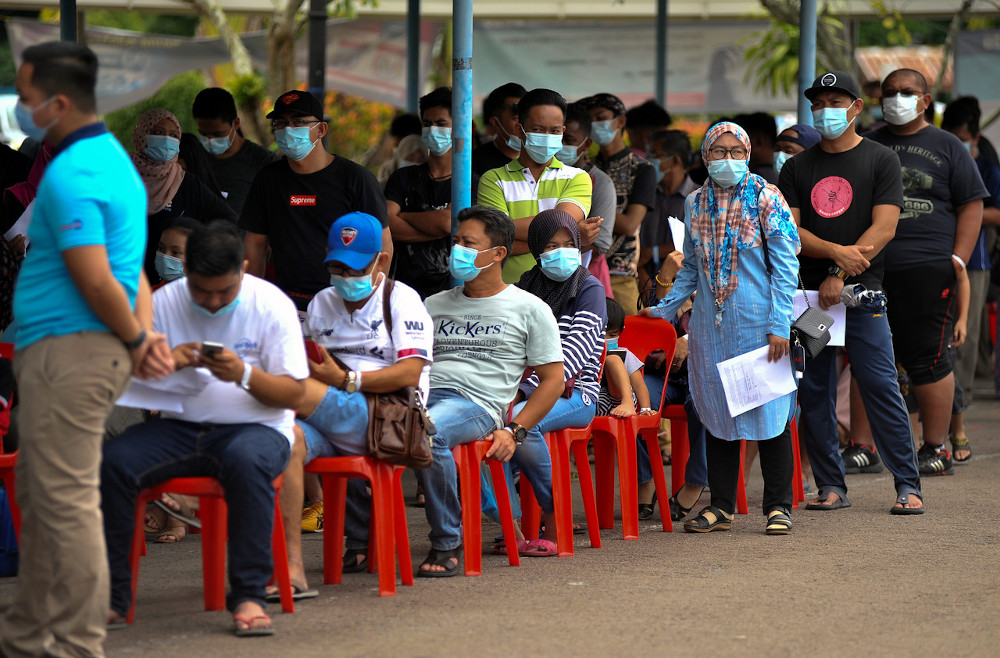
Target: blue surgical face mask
[831, 122]
[353, 288]
[26, 119]
[162, 148]
[968, 146]
[217, 145]
[542, 146]
[603, 132]
[612, 343]
[780, 157]
[168, 267]
[568, 154]
[437, 139]
[462, 262]
[225, 310]
[656, 168]
[559, 264]
[295, 142]
[728, 172]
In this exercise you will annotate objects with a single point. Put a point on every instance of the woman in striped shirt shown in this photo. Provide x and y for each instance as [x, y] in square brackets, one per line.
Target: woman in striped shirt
[577, 302]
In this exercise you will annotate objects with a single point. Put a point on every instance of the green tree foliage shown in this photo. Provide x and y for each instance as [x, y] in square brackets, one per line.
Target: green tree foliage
[174, 25]
[176, 96]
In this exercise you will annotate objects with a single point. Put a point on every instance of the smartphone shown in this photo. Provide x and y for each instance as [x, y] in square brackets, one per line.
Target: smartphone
[313, 351]
[620, 353]
[210, 349]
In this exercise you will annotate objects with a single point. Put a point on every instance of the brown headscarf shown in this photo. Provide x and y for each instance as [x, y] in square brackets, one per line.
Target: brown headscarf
[162, 179]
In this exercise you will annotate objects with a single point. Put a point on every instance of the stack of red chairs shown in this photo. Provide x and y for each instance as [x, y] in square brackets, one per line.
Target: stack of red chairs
[9, 460]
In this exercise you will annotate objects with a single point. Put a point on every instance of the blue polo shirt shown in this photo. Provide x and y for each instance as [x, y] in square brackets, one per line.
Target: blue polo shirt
[90, 195]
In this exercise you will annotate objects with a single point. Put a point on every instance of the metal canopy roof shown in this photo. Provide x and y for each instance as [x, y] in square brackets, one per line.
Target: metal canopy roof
[523, 9]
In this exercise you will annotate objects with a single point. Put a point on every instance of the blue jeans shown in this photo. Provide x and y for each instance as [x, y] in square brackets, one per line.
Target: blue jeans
[532, 457]
[337, 426]
[869, 346]
[458, 420]
[696, 471]
[245, 458]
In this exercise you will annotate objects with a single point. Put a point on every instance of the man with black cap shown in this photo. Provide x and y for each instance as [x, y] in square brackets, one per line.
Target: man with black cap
[293, 202]
[845, 194]
[939, 226]
[635, 182]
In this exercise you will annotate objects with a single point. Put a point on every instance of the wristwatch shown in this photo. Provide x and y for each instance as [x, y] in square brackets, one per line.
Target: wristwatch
[519, 432]
[352, 382]
[245, 381]
[838, 272]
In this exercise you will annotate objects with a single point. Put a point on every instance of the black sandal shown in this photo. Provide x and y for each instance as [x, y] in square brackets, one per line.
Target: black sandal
[701, 523]
[677, 513]
[438, 558]
[351, 563]
[646, 509]
[903, 500]
[778, 522]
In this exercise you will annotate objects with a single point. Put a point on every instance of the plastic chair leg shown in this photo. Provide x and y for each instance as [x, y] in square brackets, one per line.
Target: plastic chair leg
[659, 480]
[562, 496]
[798, 489]
[506, 513]
[335, 497]
[628, 487]
[587, 492]
[604, 449]
[280, 552]
[402, 535]
[531, 512]
[382, 514]
[472, 531]
[741, 487]
[680, 451]
[213, 551]
[15, 511]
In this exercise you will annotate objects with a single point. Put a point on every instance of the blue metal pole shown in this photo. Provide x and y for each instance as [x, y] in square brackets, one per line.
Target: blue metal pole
[661, 52]
[461, 109]
[807, 57]
[67, 20]
[412, 55]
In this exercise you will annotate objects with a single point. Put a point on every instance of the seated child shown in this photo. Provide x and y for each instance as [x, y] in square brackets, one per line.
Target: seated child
[169, 260]
[622, 386]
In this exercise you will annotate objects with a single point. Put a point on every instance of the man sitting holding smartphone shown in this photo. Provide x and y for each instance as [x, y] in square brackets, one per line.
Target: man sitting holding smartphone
[381, 336]
[239, 338]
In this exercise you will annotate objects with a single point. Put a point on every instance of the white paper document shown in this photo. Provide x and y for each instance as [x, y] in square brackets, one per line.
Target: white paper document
[167, 394]
[676, 233]
[750, 380]
[838, 312]
[20, 227]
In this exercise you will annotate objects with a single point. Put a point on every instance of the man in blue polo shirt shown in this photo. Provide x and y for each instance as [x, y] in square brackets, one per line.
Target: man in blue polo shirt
[84, 325]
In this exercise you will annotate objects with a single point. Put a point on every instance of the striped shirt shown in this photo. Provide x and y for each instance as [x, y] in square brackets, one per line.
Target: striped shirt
[581, 333]
[513, 190]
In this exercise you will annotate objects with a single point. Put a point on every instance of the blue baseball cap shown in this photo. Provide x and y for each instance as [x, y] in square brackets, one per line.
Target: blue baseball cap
[354, 240]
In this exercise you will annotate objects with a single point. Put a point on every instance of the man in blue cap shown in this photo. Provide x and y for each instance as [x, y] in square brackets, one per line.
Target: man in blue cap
[845, 195]
[381, 336]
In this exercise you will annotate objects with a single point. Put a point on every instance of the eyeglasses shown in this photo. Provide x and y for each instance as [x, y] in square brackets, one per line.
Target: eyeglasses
[719, 153]
[279, 124]
[339, 269]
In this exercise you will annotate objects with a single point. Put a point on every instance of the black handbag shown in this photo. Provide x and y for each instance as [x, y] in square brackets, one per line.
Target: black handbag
[810, 332]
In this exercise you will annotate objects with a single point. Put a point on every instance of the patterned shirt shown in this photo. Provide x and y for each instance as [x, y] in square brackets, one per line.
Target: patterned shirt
[514, 190]
[635, 182]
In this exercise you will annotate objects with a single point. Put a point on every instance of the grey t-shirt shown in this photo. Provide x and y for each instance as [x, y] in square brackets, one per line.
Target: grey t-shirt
[603, 200]
[236, 173]
[483, 345]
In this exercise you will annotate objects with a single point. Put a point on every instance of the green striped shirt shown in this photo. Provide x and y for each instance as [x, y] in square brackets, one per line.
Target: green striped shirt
[513, 190]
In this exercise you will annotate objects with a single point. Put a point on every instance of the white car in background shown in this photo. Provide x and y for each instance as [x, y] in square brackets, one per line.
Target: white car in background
[10, 132]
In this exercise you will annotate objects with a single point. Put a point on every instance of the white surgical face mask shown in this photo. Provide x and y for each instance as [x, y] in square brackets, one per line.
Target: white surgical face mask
[900, 109]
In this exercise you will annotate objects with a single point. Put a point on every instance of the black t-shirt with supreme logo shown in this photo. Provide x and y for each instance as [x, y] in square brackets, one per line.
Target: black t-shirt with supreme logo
[295, 212]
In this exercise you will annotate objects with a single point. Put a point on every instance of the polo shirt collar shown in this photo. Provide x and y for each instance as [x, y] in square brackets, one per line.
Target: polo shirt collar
[515, 165]
[86, 132]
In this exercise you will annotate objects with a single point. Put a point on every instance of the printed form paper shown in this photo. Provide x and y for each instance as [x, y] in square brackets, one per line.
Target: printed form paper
[676, 233]
[838, 312]
[750, 380]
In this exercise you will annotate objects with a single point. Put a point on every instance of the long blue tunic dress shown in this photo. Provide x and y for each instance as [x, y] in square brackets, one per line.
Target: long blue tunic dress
[759, 306]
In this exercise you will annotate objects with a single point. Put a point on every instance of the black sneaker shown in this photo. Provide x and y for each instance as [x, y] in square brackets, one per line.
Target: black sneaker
[934, 462]
[861, 459]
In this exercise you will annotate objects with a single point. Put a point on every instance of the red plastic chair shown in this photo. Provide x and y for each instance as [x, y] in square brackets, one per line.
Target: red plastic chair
[680, 446]
[468, 458]
[641, 336]
[387, 524]
[8, 461]
[213, 514]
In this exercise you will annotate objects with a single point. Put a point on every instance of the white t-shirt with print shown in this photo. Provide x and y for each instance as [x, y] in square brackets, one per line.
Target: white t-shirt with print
[263, 330]
[360, 339]
[482, 345]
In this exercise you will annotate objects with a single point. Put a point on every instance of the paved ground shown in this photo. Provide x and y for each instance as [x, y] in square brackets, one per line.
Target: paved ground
[856, 581]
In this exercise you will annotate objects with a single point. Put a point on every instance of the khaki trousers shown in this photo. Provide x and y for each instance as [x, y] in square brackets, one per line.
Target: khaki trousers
[67, 386]
[626, 290]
